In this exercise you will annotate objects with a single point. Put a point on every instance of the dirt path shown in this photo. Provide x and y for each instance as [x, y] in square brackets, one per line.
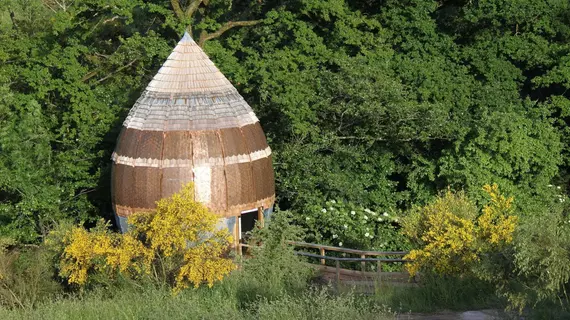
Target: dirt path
[450, 315]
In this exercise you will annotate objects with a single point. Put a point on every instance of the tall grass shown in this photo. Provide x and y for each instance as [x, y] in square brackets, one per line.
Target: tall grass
[220, 302]
[26, 277]
[439, 293]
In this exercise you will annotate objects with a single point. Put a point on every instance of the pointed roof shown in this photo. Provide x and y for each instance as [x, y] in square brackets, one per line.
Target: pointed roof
[188, 69]
[189, 93]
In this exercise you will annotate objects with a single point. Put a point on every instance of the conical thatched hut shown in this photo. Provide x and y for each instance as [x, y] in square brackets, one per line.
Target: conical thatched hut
[191, 124]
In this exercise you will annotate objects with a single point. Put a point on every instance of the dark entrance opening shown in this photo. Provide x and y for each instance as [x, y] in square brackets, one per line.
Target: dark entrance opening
[247, 223]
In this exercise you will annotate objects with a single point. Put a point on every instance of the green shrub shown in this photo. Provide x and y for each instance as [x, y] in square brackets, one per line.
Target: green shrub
[526, 257]
[26, 276]
[539, 269]
[273, 268]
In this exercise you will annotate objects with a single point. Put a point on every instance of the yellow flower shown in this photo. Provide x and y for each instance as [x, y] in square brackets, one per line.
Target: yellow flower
[452, 236]
[180, 235]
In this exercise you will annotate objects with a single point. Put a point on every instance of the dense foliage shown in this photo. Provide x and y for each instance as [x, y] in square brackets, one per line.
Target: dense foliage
[370, 106]
[379, 103]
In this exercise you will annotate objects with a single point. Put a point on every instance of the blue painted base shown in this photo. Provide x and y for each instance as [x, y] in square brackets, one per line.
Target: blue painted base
[122, 223]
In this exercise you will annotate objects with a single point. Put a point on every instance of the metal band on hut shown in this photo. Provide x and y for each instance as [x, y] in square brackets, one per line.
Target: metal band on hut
[191, 124]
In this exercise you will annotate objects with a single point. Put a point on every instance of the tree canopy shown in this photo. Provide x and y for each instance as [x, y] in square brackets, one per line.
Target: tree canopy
[376, 102]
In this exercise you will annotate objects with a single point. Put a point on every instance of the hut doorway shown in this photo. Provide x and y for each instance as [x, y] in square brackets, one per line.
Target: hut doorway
[247, 221]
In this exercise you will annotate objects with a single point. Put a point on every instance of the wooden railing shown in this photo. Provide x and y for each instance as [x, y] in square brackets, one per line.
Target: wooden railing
[363, 258]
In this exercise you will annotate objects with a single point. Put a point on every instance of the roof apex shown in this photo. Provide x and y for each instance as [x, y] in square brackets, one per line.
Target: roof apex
[189, 70]
[187, 37]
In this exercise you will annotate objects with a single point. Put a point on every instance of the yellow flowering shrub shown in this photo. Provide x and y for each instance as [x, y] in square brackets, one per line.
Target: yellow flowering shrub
[497, 223]
[178, 241]
[452, 234]
[99, 250]
[183, 233]
[445, 231]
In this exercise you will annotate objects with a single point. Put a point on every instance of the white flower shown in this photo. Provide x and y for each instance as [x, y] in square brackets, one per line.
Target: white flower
[345, 226]
[352, 212]
[367, 234]
[335, 236]
[370, 211]
[340, 244]
[385, 214]
[380, 219]
[371, 237]
[331, 208]
[549, 185]
[396, 220]
[365, 218]
[324, 210]
[333, 201]
[307, 218]
[558, 187]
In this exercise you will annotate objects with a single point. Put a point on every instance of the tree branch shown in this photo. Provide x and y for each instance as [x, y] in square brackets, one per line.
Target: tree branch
[45, 3]
[90, 75]
[117, 71]
[111, 19]
[184, 15]
[177, 9]
[13, 19]
[204, 36]
[192, 7]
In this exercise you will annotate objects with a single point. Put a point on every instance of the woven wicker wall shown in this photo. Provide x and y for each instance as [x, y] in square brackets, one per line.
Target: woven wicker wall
[191, 124]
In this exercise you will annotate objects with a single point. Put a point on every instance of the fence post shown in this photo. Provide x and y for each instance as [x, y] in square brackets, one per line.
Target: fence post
[260, 217]
[322, 254]
[337, 275]
[379, 266]
[237, 238]
[363, 264]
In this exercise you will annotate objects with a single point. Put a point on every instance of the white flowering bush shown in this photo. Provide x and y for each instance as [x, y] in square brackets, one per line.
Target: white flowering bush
[344, 224]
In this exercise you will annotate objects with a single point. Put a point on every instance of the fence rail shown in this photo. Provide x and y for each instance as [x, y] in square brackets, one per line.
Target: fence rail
[338, 271]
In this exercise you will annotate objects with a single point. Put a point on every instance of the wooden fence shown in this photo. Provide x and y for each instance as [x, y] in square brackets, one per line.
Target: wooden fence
[380, 258]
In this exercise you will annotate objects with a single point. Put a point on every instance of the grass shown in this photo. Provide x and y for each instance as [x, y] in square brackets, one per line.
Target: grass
[220, 302]
[241, 296]
[439, 293]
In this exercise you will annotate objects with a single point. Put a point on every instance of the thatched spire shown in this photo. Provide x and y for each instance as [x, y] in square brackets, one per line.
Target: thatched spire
[191, 124]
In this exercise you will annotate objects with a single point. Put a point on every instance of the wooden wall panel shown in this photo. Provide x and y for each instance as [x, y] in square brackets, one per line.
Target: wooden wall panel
[263, 178]
[177, 145]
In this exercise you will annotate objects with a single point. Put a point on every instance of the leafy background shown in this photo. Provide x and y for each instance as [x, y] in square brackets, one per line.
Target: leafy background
[375, 103]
